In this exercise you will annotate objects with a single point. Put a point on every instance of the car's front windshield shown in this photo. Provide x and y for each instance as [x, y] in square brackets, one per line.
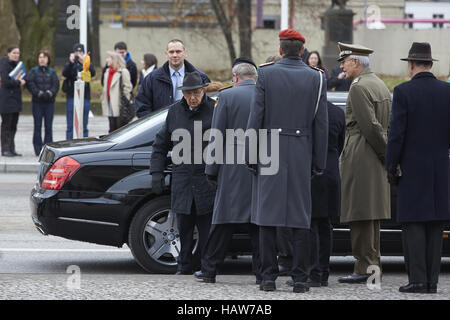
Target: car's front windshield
[147, 123]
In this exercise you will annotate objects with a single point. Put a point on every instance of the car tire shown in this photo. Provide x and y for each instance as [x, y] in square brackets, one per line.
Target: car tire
[149, 235]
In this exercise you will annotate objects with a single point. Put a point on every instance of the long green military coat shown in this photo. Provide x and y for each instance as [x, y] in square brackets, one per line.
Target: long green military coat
[365, 189]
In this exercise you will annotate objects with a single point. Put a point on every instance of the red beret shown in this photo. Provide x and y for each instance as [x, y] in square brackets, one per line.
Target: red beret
[291, 34]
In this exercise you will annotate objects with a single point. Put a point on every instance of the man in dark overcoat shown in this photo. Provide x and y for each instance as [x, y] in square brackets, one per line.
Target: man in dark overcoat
[234, 181]
[290, 101]
[417, 159]
[192, 197]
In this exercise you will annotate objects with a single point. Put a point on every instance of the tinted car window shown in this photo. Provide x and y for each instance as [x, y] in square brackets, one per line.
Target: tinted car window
[149, 125]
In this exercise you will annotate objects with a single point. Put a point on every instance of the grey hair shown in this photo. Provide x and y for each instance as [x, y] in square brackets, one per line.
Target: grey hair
[245, 71]
[364, 61]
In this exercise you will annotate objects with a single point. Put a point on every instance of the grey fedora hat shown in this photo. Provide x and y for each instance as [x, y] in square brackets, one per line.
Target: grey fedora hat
[420, 51]
[192, 80]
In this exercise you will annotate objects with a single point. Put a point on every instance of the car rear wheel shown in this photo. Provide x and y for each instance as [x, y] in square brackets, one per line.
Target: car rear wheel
[154, 239]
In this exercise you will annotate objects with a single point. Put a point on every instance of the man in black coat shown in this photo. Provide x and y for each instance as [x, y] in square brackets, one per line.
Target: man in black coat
[159, 88]
[232, 208]
[417, 159]
[192, 197]
[70, 72]
[122, 49]
[338, 80]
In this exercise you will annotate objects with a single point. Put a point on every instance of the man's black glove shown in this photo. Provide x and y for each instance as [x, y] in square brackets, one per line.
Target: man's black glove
[393, 178]
[157, 182]
[212, 180]
[41, 94]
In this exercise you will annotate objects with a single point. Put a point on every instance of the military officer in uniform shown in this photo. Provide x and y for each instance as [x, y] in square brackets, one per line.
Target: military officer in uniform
[365, 189]
[233, 180]
[290, 99]
[417, 160]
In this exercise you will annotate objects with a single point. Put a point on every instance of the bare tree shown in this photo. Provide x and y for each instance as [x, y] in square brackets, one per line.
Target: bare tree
[10, 33]
[37, 23]
[245, 27]
[225, 25]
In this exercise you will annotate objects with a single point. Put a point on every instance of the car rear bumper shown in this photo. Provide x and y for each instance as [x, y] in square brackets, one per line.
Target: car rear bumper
[54, 215]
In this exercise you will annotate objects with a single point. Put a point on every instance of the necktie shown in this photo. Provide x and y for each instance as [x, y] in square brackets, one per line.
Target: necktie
[178, 94]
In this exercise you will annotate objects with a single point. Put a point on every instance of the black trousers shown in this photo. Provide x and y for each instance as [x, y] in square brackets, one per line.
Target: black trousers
[218, 243]
[186, 224]
[8, 131]
[284, 246]
[268, 253]
[422, 247]
[114, 123]
[321, 241]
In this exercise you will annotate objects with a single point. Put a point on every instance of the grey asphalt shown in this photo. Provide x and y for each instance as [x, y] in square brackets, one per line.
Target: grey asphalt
[98, 125]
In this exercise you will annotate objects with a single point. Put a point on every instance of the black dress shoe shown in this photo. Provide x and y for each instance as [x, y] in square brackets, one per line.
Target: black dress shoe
[324, 283]
[7, 154]
[258, 281]
[432, 287]
[267, 285]
[300, 287]
[16, 154]
[200, 275]
[414, 288]
[290, 283]
[354, 278]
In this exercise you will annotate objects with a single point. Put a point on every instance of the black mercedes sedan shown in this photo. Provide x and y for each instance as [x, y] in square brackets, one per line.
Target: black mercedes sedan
[99, 190]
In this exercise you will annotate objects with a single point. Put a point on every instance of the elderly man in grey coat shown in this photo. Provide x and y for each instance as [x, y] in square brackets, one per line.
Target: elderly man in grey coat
[290, 101]
[233, 180]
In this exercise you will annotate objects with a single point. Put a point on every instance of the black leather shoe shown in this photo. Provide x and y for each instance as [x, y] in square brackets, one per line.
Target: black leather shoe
[283, 270]
[290, 283]
[267, 285]
[199, 275]
[313, 284]
[324, 283]
[414, 288]
[300, 287]
[432, 287]
[354, 278]
[16, 154]
[7, 154]
[258, 281]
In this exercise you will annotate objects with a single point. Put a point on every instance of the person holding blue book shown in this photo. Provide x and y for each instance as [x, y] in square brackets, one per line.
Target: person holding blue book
[10, 100]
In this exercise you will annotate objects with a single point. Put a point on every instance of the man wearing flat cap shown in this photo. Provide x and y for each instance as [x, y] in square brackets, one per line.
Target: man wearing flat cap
[234, 182]
[365, 189]
[192, 197]
[290, 101]
[417, 160]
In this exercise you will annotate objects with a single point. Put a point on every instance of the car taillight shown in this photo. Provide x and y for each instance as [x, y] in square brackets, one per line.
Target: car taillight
[59, 173]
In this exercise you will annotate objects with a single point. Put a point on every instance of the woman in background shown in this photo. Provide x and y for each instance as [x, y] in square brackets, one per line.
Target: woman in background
[10, 101]
[149, 63]
[314, 60]
[43, 83]
[113, 90]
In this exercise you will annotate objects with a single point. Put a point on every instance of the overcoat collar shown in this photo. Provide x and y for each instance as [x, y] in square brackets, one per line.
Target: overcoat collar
[293, 61]
[248, 82]
[423, 75]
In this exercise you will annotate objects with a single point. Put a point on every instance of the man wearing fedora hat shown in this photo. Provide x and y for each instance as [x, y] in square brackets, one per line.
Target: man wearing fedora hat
[417, 161]
[365, 189]
[192, 197]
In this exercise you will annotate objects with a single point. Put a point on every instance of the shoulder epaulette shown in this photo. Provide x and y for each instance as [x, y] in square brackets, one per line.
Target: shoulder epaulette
[356, 80]
[318, 69]
[266, 64]
[228, 86]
